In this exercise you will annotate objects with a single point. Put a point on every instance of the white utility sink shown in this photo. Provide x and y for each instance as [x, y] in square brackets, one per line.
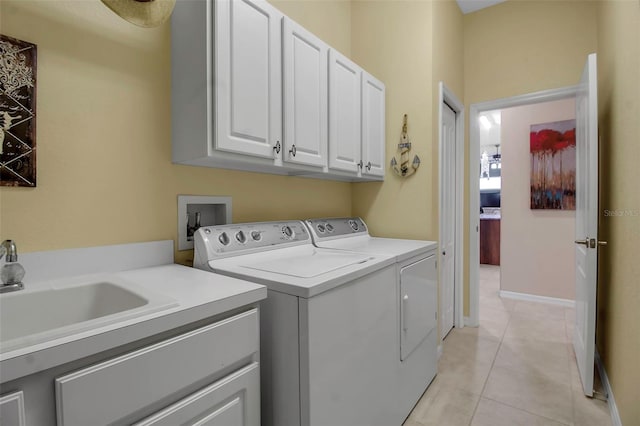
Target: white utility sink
[65, 307]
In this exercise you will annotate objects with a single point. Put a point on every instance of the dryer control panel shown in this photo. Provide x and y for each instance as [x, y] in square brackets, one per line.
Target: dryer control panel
[325, 229]
[243, 238]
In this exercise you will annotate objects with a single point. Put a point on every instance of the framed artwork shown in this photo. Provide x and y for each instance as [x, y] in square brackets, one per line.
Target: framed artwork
[17, 112]
[553, 165]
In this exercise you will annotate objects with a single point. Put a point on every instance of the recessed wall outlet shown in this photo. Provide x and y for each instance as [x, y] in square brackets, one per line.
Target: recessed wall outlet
[195, 211]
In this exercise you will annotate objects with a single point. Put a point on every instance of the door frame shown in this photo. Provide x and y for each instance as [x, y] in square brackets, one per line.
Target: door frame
[447, 96]
[473, 320]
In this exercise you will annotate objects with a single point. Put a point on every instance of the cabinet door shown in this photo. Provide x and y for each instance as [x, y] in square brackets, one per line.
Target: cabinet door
[232, 401]
[248, 78]
[12, 409]
[107, 392]
[345, 106]
[305, 96]
[373, 126]
[418, 303]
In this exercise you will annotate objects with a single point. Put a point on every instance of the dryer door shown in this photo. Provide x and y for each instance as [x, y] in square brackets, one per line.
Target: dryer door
[418, 298]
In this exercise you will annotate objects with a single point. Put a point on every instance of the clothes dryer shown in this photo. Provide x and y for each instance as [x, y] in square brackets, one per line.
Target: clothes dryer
[416, 296]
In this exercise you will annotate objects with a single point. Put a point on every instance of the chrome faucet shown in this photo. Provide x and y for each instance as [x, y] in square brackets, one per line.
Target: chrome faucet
[12, 272]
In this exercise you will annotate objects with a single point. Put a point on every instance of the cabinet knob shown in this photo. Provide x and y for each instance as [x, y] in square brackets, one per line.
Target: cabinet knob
[292, 151]
[277, 147]
[360, 164]
[369, 166]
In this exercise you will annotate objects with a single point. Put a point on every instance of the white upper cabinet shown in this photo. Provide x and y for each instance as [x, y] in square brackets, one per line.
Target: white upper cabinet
[248, 78]
[305, 96]
[250, 91]
[227, 84]
[345, 106]
[373, 126]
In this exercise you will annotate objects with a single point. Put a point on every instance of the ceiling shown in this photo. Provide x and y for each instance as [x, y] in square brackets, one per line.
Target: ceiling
[468, 6]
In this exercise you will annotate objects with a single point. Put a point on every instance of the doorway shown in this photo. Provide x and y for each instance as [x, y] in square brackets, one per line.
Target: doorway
[477, 111]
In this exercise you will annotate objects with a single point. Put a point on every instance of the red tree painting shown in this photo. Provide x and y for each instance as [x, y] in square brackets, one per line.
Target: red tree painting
[553, 165]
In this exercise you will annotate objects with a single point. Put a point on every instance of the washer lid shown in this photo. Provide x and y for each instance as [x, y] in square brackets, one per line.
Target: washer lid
[310, 266]
[401, 249]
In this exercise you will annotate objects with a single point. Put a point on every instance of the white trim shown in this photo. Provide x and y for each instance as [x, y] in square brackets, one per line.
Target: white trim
[439, 350]
[613, 408]
[446, 95]
[474, 173]
[535, 298]
[467, 322]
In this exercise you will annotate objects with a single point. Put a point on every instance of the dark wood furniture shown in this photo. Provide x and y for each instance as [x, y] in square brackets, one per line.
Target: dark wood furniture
[490, 241]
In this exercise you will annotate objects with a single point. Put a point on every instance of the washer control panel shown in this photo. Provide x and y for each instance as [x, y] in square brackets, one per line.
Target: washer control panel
[337, 227]
[241, 237]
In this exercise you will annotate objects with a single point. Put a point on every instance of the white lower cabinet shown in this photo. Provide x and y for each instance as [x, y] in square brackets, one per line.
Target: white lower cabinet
[202, 374]
[116, 390]
[232, 401]
[12, 409]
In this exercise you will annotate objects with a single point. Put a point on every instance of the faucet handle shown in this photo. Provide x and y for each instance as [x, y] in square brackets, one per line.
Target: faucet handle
[9, 248]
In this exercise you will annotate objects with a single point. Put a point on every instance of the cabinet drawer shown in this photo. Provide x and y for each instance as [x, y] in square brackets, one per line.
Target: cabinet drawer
[12, 409]
[232, 401]
[106, 392]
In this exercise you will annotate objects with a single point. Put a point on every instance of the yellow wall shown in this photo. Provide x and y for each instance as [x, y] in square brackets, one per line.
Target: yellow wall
[618, 320]
[104, 134]
[448, 67]
[399, 43]
[328, 19]
[520, 47]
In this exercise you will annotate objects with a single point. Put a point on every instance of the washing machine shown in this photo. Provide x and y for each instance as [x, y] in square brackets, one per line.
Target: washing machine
[328, 325]
[416, 296]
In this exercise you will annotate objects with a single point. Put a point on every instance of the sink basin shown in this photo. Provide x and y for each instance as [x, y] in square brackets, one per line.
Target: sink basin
[62, 308]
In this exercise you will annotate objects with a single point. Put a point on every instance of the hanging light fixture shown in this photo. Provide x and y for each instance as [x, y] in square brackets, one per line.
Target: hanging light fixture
[143, 13]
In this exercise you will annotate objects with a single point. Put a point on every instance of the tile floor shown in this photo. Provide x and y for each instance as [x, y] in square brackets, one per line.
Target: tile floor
[516, 369]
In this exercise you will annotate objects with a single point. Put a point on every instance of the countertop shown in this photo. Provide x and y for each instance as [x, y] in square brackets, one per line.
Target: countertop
[489, 216]
[197, 294]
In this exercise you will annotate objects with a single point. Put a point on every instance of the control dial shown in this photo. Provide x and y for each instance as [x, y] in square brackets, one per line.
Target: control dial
[223, 238]
[287, 232]
[353, 224]
[256, 236]
[241, 237]
[329, 227]
[320, 228]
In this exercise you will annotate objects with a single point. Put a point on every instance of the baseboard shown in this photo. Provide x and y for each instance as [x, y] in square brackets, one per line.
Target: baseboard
[535, 298]
[613, 408]
[439, 351]
[469, 323]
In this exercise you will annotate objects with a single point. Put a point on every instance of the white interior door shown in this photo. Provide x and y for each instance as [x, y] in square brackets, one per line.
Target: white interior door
[448, 200]
[586, 222]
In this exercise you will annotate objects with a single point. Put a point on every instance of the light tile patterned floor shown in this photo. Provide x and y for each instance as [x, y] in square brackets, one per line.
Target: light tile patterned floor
[516, 369]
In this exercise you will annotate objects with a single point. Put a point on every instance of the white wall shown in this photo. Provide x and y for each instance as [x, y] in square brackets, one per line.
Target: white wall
[537, 253]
